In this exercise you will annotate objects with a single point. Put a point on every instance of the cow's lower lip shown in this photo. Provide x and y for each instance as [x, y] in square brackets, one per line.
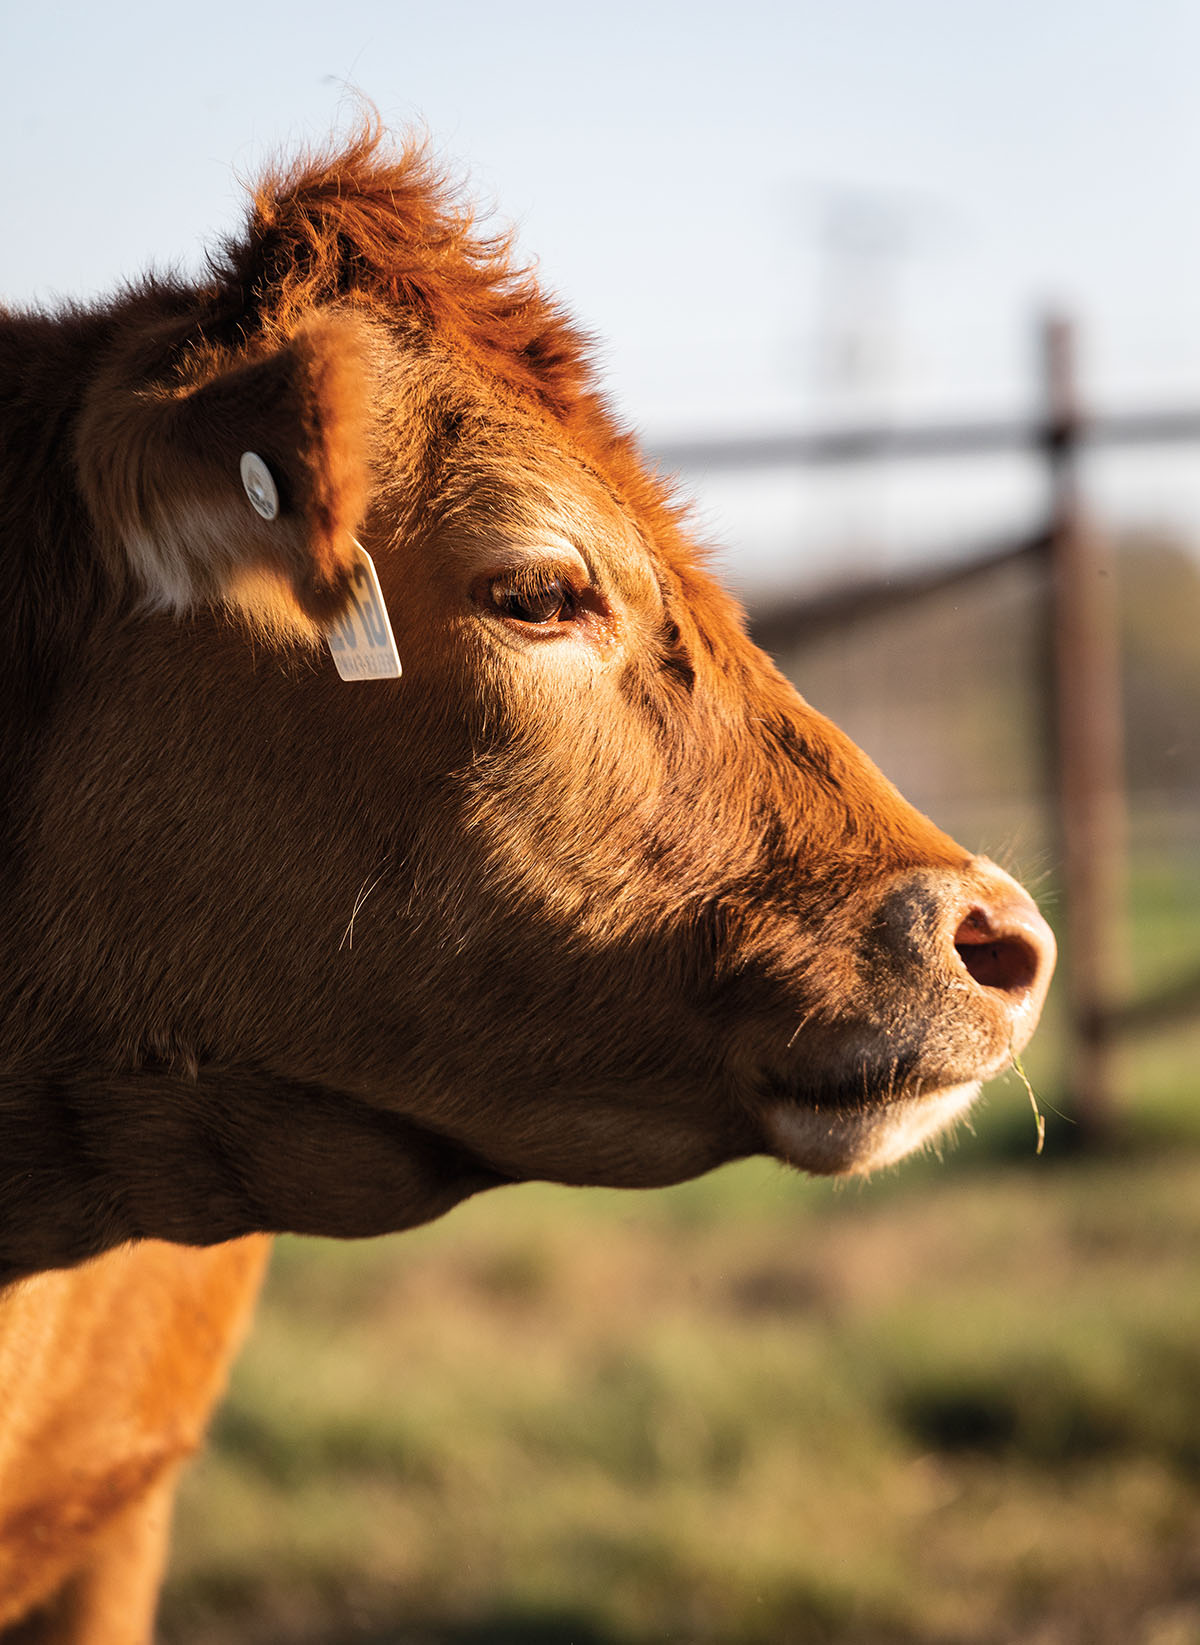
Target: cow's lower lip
[841, 1140]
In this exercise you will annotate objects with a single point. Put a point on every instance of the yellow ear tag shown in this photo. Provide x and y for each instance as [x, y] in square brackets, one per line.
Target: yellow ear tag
[361, 641]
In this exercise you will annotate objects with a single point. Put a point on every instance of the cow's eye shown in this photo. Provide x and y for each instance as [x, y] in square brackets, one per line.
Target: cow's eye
[533, 600]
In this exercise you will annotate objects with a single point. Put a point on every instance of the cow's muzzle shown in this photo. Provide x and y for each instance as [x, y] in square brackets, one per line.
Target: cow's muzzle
[951, 974]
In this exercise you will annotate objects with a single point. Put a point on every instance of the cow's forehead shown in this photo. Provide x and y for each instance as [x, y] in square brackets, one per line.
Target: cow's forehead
[504, 482]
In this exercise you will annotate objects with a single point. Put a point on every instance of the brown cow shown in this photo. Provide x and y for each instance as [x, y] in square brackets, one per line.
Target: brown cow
[588, 894]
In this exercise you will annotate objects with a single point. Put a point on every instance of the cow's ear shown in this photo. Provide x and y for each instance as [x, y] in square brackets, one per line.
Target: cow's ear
[242, 482]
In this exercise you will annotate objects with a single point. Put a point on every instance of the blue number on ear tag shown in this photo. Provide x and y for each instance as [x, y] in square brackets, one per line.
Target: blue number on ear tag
[361, 640]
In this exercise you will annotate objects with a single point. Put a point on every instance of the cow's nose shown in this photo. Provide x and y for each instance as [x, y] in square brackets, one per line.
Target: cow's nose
[960, 960]
[1004, 944]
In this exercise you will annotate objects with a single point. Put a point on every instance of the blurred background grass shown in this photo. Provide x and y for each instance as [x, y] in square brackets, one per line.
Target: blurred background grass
[962, 1406]
[960, 1403]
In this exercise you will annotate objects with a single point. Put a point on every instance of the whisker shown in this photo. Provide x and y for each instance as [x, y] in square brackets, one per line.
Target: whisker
[364, 892]
[801, 1026]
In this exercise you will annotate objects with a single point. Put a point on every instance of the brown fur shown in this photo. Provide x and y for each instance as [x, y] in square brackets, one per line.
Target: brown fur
[595, 898]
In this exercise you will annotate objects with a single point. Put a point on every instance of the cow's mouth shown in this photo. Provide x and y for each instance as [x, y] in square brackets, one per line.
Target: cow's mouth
[851, 1139]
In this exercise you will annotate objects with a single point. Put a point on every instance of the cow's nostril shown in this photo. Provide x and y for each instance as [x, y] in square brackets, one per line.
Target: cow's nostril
[1008, 963]
[996, 959]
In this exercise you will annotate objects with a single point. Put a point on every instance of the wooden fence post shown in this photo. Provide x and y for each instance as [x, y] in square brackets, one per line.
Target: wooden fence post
[1088, 757]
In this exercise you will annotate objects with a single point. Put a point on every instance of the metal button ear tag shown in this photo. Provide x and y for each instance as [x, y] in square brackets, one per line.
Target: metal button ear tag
[259, 484]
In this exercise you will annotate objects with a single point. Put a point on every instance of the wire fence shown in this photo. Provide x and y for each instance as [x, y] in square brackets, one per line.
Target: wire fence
[1077, 723]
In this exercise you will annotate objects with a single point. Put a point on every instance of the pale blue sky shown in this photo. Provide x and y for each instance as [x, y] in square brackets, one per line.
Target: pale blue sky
[672, 166]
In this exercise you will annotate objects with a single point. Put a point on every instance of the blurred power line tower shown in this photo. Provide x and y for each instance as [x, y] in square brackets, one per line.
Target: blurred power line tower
[862, 238]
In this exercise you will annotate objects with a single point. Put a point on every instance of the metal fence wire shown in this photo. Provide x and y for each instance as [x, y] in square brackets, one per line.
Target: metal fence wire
[1062, 738]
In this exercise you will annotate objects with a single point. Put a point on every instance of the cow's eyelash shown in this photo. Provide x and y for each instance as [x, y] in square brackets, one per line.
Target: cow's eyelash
[535, 597]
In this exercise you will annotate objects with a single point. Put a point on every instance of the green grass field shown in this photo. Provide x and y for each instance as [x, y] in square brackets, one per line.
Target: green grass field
[957, 1405]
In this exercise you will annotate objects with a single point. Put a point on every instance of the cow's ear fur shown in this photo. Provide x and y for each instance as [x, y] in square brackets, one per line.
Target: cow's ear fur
[159, 458]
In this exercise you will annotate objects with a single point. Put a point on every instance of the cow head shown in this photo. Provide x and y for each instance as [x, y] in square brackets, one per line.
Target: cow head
[589, 894]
